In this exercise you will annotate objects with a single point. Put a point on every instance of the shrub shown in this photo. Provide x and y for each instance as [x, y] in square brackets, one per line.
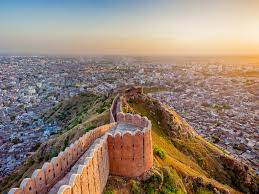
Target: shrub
[101, 110]
[200, 162]
[163, 181]
[160, 152]
[105, 105]
[135, 187]
[54, 153]
[109, 190]
[36, 146]
[204, 191]
[66, 143]
[130, 101]
[153, 184]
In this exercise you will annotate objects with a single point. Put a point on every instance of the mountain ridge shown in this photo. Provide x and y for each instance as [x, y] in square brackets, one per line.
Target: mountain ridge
[201, 165]
[184, 162]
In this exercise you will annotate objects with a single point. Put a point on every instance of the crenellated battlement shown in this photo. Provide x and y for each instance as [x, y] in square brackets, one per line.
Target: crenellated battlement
[123, 148]
[130, 153]
[135, 119]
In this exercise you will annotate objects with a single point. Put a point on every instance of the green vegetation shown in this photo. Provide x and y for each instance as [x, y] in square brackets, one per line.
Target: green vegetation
[187, 158]
[66, 143]
[127, 108]
[162, 181]
[109, 190]
[160, 153]
[104, 106]
[90, 128]
[135, 187]
[74, 111]
[204, 191]
[76, 116]
[182, 163]
[130, 101]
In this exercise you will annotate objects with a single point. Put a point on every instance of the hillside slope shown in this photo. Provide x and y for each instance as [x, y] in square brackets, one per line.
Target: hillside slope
[76, 116]
[184, 161]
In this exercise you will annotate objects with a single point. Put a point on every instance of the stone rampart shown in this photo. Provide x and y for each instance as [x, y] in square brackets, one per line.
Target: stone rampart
[92, 175]
[130, 153]
[133, 92]
[135, 119]
[123, 148]
[43, 179]
[116, 107]
[113, 109]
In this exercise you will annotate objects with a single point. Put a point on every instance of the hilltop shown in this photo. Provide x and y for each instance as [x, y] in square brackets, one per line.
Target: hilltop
[184, 161]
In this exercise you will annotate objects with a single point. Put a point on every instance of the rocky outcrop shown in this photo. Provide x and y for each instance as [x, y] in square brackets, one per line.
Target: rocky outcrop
[241, 175]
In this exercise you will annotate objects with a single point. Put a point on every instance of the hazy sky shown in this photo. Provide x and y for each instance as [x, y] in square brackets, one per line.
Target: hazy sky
[162, 27]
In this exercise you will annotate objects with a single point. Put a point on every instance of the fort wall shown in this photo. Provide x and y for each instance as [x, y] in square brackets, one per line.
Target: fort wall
[130, 153]
[113, 109]
[133, 92]
[43, 179]
[116, 107]
[86, 164]
[92, 175]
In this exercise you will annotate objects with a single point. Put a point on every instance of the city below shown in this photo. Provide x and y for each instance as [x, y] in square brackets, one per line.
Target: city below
[218, 97]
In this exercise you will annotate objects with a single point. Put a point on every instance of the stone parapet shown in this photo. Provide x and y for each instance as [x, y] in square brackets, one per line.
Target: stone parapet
[43, 179]
[84, 166]
[92, 175]
[130, 153]
[134, 119]
[113, 109]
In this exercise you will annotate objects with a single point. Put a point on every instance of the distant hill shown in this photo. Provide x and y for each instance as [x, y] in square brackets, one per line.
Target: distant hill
[184, 161]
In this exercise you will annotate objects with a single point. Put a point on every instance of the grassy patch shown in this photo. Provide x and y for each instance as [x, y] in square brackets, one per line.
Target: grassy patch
[164, 181]
[69, 113]
[90, 128]
[80, 116]
[104, 106]
[135, 187]
[109, 190]
[204, 191]
[193, 157]
[160, 153]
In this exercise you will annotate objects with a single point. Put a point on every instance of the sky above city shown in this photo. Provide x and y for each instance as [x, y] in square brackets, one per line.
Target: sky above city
[131, 27]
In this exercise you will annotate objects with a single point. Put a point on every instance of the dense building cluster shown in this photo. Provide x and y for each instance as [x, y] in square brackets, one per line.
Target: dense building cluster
[218, 99]
[222, 108]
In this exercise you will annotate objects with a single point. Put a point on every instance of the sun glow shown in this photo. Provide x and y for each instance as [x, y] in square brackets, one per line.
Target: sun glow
[164, 27]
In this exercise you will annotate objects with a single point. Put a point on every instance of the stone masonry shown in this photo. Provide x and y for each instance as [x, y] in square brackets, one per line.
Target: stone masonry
[122, 148]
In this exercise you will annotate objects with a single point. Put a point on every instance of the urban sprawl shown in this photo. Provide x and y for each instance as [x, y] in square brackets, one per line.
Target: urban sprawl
[218, 98]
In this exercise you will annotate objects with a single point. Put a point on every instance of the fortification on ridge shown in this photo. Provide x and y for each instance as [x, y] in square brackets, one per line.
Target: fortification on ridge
[122, 148]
